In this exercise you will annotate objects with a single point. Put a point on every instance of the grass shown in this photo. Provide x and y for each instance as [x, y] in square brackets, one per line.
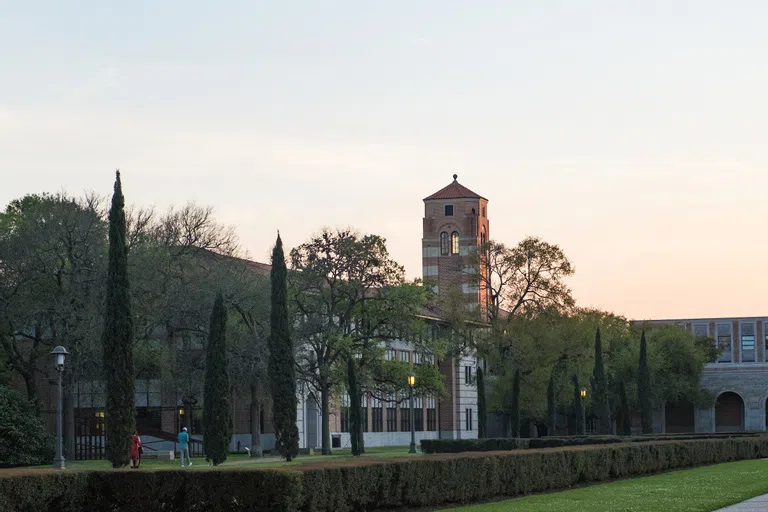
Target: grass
[240, 460]
[693, 490]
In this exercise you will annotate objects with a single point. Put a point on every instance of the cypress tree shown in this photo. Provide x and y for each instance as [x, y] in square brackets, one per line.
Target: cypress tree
[515, 416]
[117, 340]
[551, 411]
[482, 412]
[644, 388]
[282, 363]
[355, 416]
[578, 406]
[626, 419]
[600, 390]
[217, 411]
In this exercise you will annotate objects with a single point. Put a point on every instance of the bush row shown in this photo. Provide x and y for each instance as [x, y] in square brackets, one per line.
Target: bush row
[428, 481]
[508, 443]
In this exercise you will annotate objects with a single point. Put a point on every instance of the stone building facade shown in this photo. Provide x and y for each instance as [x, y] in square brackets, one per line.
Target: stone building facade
[738, 379]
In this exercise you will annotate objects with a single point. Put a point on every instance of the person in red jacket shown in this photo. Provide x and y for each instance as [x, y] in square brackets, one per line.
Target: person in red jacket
[136, 450]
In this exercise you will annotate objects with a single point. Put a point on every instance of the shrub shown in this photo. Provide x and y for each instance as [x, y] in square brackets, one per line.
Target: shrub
[173, 491]
[24, 438]
[466, 478]
[501, 444]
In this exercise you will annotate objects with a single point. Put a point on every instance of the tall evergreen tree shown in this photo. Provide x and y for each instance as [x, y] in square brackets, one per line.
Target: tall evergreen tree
[355, 416]
[626, 418]
[578, 406]
[217, 410]
[482, 410]
[282, 362]
[600, 390]
[551, 411]
[644, 388]
[515, 415]
[117, 339]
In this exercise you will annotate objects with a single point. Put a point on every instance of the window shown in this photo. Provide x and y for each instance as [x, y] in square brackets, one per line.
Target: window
[364, 412]
[345, 414]
[724, 342]
[765, 334]
[468, 412]
[404, 356]
[417, 358]
[389, 354]
[405, 417]
[377, 416]
[431, 415]
[701, 330]
[455, 242]
[467, 375]
[483, 211]
[444, 244]
[483, 239]
[391, 414]
[748, 342]
[418, 414]
[449, 210]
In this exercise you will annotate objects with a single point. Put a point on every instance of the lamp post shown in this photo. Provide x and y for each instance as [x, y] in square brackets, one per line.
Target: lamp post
[583, 395]
[411, 384]
[60, 353]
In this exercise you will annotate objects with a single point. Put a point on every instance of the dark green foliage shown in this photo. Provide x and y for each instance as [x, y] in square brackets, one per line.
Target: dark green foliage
[355, 416]
[147, 490]
[600, 405]
[551, 410]
[514, 417]
[644, 388]
[24, 438]
[482, 408]
[117, 340]
[578, 406]
[217, 410]
[626, 418]
[282, 363]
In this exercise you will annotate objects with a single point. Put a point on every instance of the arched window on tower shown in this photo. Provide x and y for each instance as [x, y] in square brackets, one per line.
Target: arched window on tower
[455, 242]
[483, 239]
[444, 244]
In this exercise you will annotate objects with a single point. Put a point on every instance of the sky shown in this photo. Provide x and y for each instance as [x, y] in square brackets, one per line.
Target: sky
[632, 134]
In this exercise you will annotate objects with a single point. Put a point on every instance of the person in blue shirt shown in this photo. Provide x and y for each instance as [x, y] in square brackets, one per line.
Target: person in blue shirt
[184, 446]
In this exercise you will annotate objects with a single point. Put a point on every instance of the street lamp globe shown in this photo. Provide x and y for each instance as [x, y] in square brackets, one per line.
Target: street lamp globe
[411, 379]
[59, 353]
[583, 393]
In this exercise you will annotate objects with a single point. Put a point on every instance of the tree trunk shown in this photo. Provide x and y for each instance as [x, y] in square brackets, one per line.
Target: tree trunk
[326, 427]
[256, 450]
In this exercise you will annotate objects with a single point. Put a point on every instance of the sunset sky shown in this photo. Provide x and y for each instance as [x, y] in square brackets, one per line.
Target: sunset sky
[633, 134]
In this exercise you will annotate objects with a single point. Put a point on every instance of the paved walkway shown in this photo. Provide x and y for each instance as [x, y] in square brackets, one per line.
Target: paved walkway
[753, 505]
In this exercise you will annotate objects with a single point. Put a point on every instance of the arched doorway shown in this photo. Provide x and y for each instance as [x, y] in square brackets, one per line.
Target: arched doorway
[729, 413]
[679, 417]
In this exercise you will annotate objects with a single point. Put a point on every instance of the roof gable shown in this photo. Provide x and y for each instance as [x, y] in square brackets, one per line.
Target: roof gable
[455, 190]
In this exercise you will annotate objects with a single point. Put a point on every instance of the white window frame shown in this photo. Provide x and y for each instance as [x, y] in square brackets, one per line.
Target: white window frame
[717, 338]
[741, 341]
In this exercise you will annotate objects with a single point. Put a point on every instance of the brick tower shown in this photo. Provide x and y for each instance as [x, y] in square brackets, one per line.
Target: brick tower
[455, 226]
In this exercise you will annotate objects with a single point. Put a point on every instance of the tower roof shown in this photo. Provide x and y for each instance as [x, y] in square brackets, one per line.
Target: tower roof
[454, 191]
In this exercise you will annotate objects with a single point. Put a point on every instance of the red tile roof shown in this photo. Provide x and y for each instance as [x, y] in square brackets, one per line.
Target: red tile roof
[454, 191]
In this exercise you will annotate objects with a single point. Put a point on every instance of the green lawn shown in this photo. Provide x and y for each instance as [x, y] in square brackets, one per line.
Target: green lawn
[237, 460]
[693, 490]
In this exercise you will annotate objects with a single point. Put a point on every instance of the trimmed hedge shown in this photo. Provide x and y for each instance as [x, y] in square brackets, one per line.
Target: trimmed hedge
[346, 486]
[446, 479]
[168, 490]
[508, 443]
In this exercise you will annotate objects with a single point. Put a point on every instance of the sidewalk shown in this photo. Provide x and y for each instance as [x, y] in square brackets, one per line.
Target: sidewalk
[753, 505]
